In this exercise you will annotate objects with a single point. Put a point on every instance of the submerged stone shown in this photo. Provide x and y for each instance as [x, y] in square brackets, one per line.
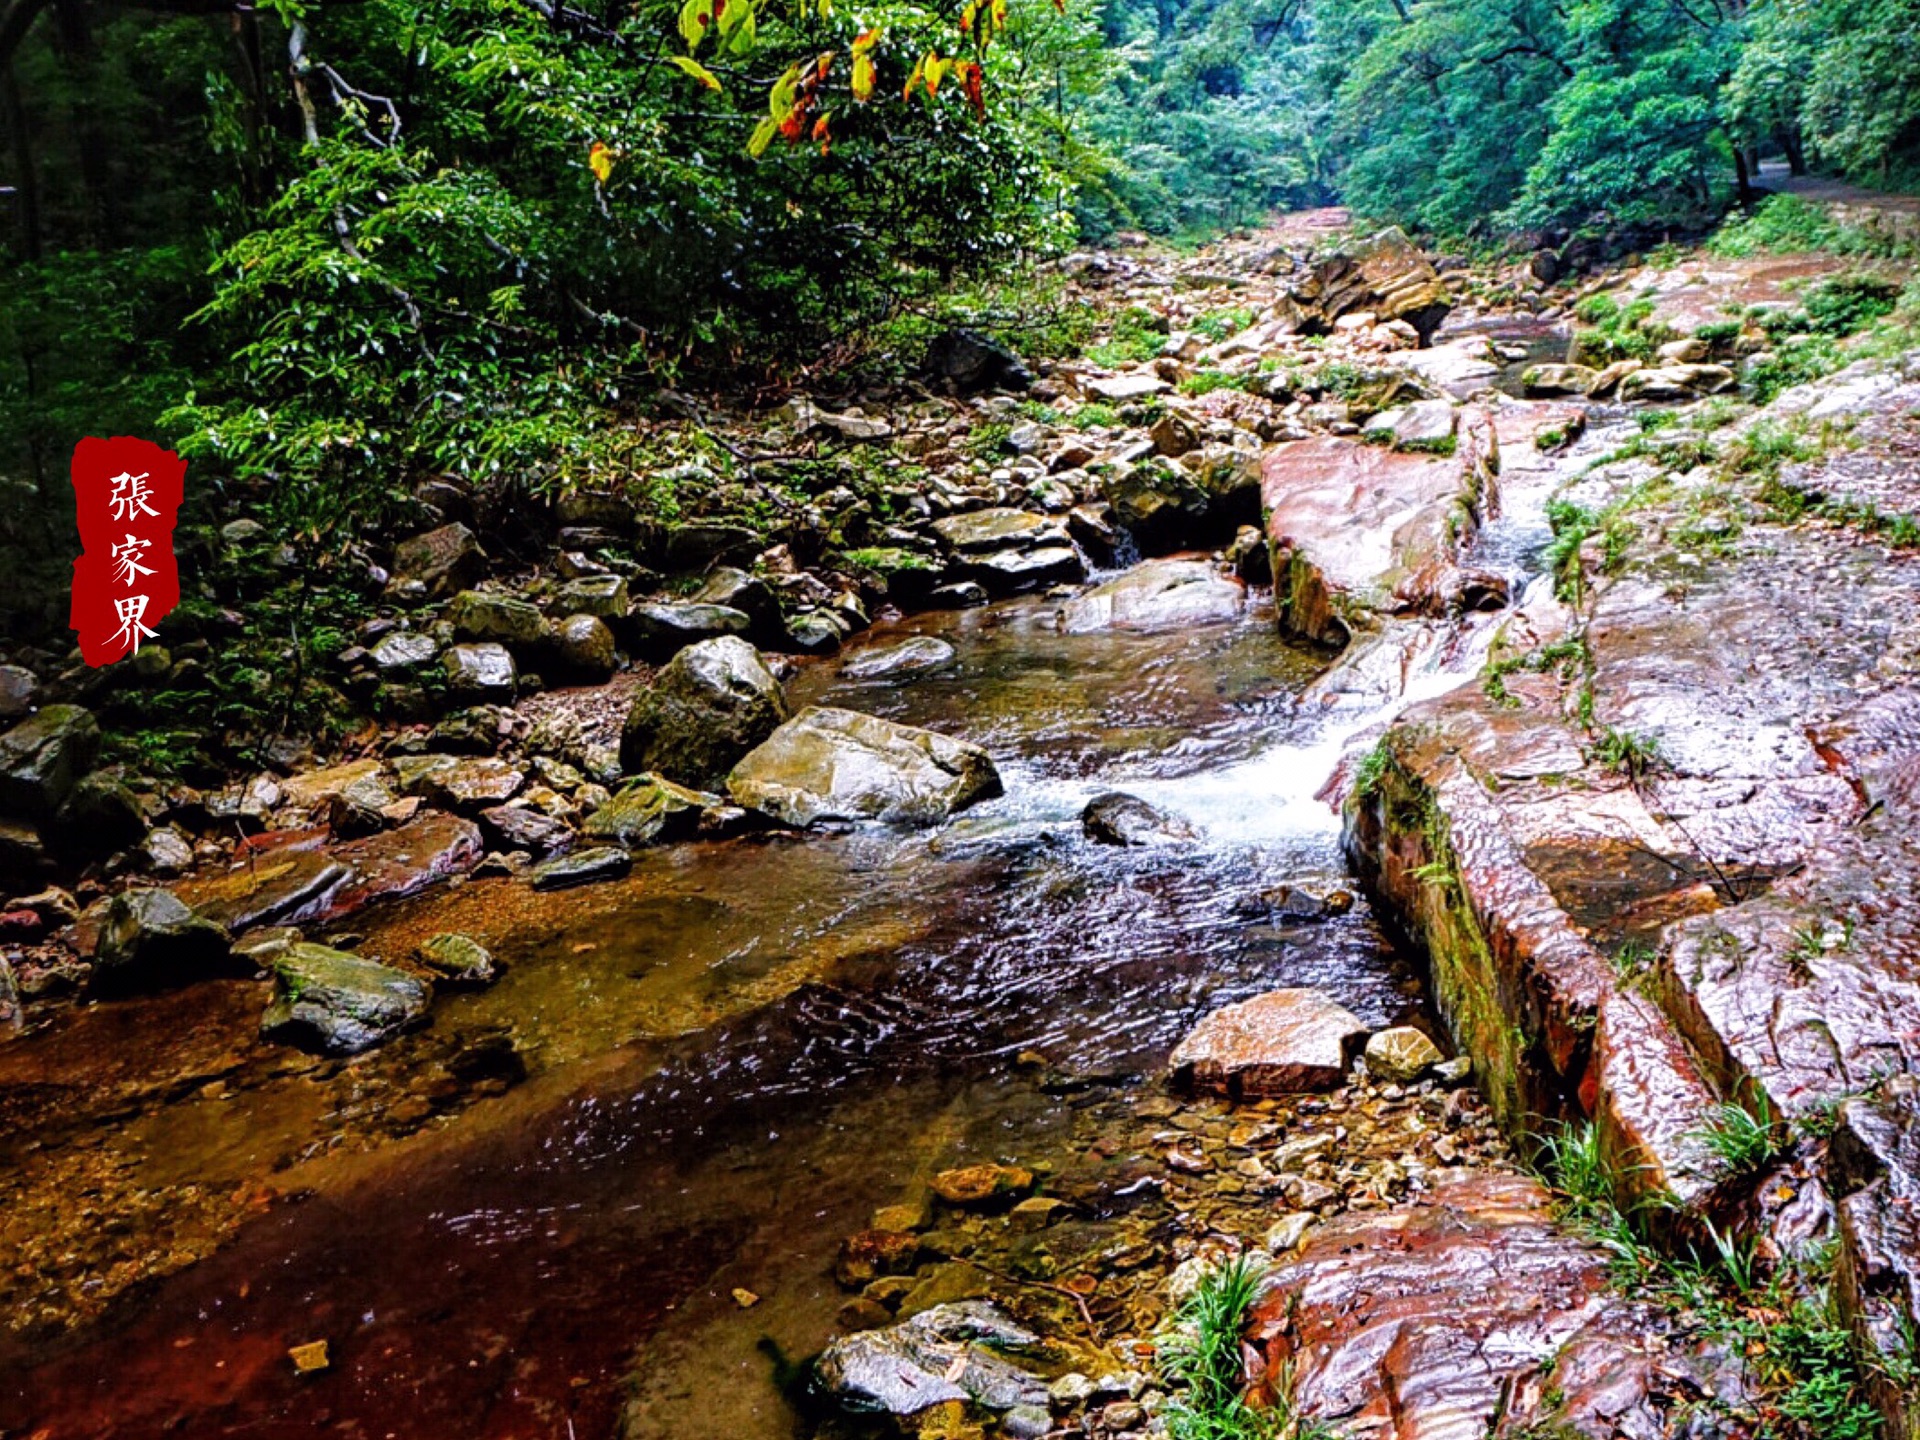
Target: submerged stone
[1116, 819]
[340, 1004]
[1156, 595]
[583, 867]
[944, 1354]
[458, 959]
[916, 656]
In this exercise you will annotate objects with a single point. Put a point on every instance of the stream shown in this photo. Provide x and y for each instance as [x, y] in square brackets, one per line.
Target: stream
[737, 1053]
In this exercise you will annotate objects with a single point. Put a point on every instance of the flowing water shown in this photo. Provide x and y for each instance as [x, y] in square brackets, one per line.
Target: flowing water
[734, 1055]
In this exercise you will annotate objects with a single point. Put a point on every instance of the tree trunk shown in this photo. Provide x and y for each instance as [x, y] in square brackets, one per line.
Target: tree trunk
[1742, 175]
[27, 181]
[1796, 152]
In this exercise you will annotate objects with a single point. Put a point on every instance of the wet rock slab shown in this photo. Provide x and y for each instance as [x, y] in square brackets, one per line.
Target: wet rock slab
[1761, 864]
[1357, 531]
[1428, 1321]
[828, 764]
[317, 885]
[1156, 595]
[1274, 1044]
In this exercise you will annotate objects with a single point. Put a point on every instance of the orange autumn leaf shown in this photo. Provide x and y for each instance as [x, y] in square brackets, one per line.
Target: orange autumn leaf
[600, 161]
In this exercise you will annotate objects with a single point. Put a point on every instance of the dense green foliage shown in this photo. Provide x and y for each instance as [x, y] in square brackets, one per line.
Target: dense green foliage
[1471, 115]
[333, 248]
[327, 249]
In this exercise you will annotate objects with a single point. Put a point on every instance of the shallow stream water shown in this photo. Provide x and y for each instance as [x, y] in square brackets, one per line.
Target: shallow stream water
[739, 1052]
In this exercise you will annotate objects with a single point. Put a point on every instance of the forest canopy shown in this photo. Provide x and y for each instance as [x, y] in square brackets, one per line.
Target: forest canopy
[321, 244]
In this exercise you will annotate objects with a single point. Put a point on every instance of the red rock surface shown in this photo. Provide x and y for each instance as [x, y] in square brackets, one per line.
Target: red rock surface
[293, 887]
[1358, 531]
[1274, 1044]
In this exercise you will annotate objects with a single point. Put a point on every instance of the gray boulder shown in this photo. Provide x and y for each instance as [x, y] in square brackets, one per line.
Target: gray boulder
[710, 705]
[152, 938]
[403, 650]
[479, 672]
[436, 563]
[339, 1004]
[478, 615]
[827, 764]
[658, 629]
[603, 596]
[948, 1353]
[41, 758]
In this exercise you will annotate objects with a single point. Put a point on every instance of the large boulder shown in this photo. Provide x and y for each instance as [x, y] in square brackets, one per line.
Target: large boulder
[1280, 1043]
[1156, 595]
[713, 702]
[965, 362]
[340, 1004]
[151, 938]
[480, 615]
[1387, 277]
[659, 629]
[436, 563]
[944, 1354]
[827, 764]
[41, 759]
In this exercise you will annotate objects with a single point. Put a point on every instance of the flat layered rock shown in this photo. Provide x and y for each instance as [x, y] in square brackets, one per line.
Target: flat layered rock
[1280, 1043]
[1442, 1320]
[827, 765]
[1358, 532]
[315, 885]
[1763, 859]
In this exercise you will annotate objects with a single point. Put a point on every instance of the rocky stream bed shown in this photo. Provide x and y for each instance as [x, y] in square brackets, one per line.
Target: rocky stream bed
[867, 999]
